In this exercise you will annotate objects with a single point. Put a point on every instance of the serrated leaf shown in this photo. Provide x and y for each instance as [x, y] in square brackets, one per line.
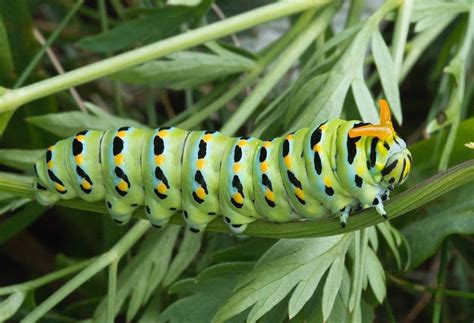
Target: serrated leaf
[208, 291]
[331, 287]
[69, 123]
[363, 98]
[284, 266]
[451, 214]
[154, 25]
[384, 63]
[187, 251]
[375, 274]
[186, 69]
[10, 305]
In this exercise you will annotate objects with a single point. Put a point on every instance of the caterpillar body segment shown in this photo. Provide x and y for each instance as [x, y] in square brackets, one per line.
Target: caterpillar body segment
[333, 168]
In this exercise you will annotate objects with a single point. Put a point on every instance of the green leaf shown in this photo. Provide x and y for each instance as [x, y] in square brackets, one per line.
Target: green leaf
[186, 70]
[288, 264]
[332, 285]
[189, 248]
[190, 3]
[22, 159]
[363, 98]
[209, 290]
[248, 250]
[385, 67]
[10, 305]
[375, 274]
[392, 237]
[156, 24]
[451, 214]
[66, 124]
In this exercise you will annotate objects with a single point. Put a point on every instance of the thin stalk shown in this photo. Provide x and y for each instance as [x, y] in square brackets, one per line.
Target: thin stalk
[101, 262]
[355, 12]
[287, 59]
[14, 98]
[402, 203]
[112, 291]
[46, 279]
[438, 297]
[226, 95]
[405, 284]
[54, 35]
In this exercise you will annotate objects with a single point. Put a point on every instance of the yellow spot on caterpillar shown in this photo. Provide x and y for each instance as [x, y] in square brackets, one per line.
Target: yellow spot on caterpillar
[59, 187]
[238, 198]
[121, 134]
[299, 192]
[360, 170]
[263, 166]
[327, 181]
[269, 195]
[242, 143]
[317, 148]
[161, 188]
[80, 138]
[207, 137]
[200, 163]
[323, 127]
[79, 159]
[201, 193]
[160, 159]
[50, 164]
[122, 186]
[86, 185]
[118, 159]
[267, 144]
[289, 137]
[162, 133]
[287, 161]
[236, 167]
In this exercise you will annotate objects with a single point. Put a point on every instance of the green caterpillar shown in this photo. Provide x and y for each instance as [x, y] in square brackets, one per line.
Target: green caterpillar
[332, 168]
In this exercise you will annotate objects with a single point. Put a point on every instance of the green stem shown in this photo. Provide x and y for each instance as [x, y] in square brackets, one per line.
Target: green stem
[288, 58]
[354, 13]
[443, 268]
[44, 280]
[54, 35]
[405, 284]
[400, 35]
[402, 203]
[112, 291]
[101, 262]
[14, 98]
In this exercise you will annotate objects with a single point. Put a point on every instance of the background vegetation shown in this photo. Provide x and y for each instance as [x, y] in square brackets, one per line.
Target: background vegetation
[183, 63]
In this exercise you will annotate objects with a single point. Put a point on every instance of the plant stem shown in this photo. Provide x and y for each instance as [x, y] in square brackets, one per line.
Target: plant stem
[288, 58]
[14, 98]
[112, 291]
[403, 203]
[438, 297]
[422, 288]
[46, 279]
[101, 262]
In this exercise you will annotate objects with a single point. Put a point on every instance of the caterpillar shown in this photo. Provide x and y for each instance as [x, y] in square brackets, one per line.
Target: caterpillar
[336, 167]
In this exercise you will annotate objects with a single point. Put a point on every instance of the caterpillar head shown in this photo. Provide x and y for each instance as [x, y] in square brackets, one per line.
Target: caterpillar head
[389, 159]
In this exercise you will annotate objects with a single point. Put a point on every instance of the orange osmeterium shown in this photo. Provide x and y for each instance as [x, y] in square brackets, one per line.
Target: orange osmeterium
[381, 131]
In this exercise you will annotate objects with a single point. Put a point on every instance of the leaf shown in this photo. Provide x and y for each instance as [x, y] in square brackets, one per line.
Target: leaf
[156, 24]
[22, 159]
[69, 123]
[186, 70]
[189, 248]
[385, 67]
[143, 274]
[451, 214]
[375, 274]
[286, 265]
[10, 305]
[331, 287]
[211, 288]
[363, 98]
[21, 220]
[248, 250]
[190, 3]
